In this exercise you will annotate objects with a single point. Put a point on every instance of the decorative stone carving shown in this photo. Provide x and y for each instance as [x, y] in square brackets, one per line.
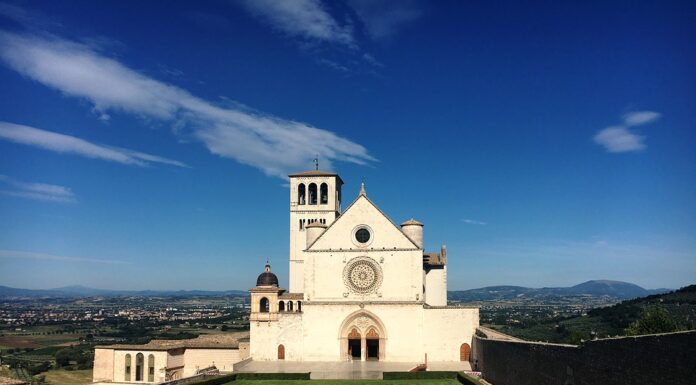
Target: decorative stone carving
[363, 322]
[362, 275]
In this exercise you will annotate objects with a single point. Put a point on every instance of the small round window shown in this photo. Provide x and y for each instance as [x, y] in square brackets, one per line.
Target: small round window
[362, 235]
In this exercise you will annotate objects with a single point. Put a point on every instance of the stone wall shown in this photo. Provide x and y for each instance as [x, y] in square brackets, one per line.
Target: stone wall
[201, 358]
[654, 359]
[103, 365]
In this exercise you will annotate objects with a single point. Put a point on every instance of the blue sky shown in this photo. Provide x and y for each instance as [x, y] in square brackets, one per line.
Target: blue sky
[144, 145]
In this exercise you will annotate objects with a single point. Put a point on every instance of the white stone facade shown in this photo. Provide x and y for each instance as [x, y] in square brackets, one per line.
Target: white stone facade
[361, 288]
[165, 360]
[367, 289]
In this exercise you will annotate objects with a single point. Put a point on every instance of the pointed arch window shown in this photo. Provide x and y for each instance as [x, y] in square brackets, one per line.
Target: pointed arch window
[301, 194]
[324, 194]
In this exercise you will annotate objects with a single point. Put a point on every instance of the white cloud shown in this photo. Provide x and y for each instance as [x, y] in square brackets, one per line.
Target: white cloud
[276, 146]
[41, 256]
[474, 222]
[307, 19]
[619, 139]
[37, 191]
[637, 118]
[383, 18]
[54, 141]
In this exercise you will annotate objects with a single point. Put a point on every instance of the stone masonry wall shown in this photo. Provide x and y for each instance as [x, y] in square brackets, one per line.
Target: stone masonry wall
[654, 359]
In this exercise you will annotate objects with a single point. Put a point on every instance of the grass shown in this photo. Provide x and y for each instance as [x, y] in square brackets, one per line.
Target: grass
[345, 382]
[38, 341]
[68, 377]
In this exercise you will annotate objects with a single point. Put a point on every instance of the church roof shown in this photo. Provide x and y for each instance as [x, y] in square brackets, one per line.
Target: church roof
[267, 278]
[363, 195]
[316, 173]
[411, 222]
[205, 341]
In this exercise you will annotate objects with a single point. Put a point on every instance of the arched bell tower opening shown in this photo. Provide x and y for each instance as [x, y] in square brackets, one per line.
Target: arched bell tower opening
[362, 336]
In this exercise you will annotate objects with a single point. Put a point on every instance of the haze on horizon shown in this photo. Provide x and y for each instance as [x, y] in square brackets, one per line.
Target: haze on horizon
[146, 147]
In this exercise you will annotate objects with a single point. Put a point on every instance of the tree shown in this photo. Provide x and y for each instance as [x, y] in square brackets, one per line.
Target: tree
[653, 319]
[63, 357]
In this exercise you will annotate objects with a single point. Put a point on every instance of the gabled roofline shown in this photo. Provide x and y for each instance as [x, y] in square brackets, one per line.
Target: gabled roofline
[378, 209]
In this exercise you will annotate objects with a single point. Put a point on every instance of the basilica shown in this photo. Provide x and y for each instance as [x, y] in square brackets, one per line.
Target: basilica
[360, 287]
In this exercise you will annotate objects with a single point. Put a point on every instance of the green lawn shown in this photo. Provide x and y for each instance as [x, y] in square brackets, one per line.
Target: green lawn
[68, 377]
[344, 382]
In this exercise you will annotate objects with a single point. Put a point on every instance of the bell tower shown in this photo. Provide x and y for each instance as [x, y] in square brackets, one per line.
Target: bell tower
[315, 196]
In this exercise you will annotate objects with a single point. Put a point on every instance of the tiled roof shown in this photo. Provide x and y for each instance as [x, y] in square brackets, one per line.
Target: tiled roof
[205, 341]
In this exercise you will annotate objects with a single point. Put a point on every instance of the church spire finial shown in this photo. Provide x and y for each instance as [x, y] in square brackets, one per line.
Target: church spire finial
[362, 188]
[316, 163]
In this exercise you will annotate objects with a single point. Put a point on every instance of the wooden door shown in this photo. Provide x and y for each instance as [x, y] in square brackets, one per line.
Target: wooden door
[464, 352]
[281, 352]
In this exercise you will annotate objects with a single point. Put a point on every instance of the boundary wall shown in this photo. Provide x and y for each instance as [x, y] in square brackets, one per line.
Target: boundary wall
[668, 358]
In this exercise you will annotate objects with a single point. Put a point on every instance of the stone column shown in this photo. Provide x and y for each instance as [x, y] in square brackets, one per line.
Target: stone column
[363, 349]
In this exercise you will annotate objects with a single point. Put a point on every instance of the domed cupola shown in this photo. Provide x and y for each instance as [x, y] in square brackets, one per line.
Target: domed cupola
[267, 278]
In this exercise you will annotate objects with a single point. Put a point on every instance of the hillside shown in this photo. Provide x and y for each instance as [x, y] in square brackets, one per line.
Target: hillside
[610, 321]
[614, 289]
[81, 291]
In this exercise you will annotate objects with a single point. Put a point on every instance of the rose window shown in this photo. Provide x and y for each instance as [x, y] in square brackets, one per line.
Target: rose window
[362, 275]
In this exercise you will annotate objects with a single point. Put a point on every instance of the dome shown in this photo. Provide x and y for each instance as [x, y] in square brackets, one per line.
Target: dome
[411, 222]
[267, 278]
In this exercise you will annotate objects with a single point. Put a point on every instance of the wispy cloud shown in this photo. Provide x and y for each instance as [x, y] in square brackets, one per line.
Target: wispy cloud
[38, 191]
[620, 138]
[41, 256]
[637, 118]
[54, 141]
[274, 145]
[473, 222]
[25, 18]
[315, 22]
[383, 18]
[306, 19]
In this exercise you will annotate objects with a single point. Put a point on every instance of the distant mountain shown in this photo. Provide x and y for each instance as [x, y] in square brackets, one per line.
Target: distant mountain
[82, 291]
[602, 322]
[618, 289]
[614, 289]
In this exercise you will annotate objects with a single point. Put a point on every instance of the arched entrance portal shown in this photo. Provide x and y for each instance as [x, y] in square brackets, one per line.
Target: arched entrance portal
[362, 336]
[354, 344]
[372, 344]
[464, 352]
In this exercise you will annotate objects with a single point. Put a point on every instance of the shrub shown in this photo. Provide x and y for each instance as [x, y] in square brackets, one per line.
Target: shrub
[466, 379]
[273, 376]
[419, 375]
[217, 380]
